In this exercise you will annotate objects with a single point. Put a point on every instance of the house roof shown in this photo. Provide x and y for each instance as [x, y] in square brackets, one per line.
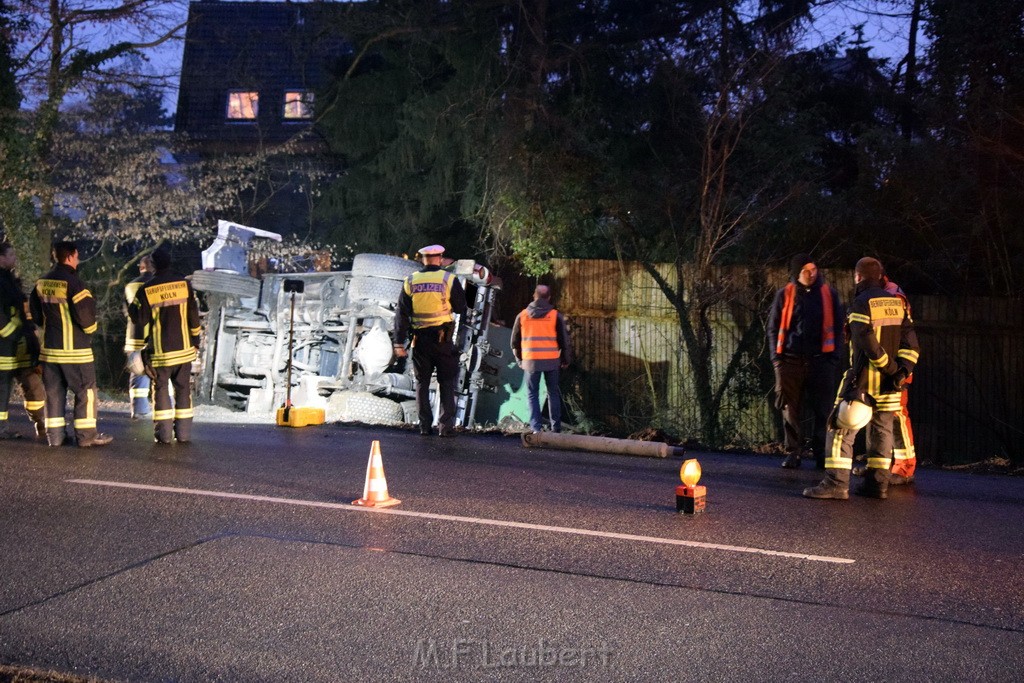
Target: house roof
[266, 47]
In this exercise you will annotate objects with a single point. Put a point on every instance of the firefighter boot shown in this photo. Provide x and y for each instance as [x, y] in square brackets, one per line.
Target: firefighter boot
[875, 484]
[872, 489]
[830, 488]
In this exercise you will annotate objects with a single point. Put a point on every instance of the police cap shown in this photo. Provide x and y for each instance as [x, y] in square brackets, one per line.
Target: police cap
[432, 250]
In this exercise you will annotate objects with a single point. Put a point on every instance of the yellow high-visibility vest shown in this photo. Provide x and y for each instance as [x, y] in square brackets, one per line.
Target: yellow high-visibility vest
[431, 293]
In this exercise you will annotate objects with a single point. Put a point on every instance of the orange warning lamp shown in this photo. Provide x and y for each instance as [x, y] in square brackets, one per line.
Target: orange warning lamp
[690, 498]
[690, 472]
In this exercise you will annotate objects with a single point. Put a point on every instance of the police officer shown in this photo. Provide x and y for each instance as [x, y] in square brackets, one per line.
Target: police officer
[138, 385]
[165, 320]
[883, 353]
[66, 310]
[427, 307]
[19, 348]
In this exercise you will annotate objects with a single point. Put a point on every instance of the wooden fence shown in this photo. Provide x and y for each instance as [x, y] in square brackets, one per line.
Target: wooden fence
[633, 372]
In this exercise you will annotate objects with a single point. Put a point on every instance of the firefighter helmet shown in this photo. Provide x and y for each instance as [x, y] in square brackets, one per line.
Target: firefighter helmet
[853, 414]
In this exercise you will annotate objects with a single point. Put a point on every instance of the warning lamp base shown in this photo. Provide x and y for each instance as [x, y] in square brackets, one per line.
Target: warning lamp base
[691, 500]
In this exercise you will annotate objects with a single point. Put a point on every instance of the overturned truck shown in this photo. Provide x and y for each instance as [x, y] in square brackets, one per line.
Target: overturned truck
[342, 358]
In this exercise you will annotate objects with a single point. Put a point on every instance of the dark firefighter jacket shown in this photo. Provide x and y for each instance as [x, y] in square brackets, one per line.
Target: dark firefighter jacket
[66, 311]
[165, 316]
[15, 323]
[882, 341]
[130, 292]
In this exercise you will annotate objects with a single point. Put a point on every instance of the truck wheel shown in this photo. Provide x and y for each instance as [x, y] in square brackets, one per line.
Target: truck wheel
[383, 266]
[225, 283]
[364, 288]
[358, 406]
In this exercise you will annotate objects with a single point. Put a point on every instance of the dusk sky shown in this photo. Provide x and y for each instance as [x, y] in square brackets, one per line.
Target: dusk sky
[887, 36]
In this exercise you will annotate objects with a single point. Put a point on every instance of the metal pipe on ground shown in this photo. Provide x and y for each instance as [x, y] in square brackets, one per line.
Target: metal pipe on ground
[600, 444]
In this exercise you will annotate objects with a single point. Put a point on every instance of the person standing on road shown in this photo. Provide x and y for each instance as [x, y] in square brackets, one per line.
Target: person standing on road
[66, 310]
[904, 453]
[165, 320]
[804, 324]
[427, 307]
[19, 348]
[541, 346]
[883, 353]
[138, 385]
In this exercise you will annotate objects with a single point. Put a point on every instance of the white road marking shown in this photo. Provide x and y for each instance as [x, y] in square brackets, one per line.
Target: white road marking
[467, 520]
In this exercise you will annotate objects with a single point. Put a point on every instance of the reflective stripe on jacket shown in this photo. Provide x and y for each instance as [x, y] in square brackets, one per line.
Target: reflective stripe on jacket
[133, 341]
[66, 311]
[430, 291]
[540, 339]
[882, 340]
[165, 313]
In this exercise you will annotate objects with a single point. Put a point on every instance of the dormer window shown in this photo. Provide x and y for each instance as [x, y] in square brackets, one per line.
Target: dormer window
[298, 105]
[243, 105]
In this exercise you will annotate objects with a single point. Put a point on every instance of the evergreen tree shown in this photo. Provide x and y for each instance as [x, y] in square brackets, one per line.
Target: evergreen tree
[15, 210]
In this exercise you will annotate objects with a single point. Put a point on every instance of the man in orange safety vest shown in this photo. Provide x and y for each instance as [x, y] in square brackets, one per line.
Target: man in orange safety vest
[542, 348]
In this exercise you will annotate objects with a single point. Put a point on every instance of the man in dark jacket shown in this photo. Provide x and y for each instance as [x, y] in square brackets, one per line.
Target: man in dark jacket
[165, 320]
[541, 346]
[19, 348]
[805, 327]
[883, 353]
[66, 310]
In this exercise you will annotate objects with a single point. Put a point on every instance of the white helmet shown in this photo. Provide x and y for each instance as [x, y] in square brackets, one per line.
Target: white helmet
[853, 415]
[134, 363]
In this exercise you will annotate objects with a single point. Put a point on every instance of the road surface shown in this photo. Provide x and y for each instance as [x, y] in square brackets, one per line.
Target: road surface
[239, 557]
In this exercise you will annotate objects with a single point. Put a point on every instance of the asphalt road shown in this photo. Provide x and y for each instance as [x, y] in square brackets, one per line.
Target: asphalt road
[239, 558]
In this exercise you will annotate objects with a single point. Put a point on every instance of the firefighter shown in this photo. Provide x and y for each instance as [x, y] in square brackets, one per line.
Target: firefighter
[138, 385]
[427, 307]
[165, 322]
[66, 310]
[19, 348]
[883, 353]
[904, 454]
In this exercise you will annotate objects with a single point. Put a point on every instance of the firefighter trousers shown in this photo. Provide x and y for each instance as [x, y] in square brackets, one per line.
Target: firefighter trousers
[839, 451]
[34, 394]
[903, 452]
[173, 419]
[80, 378]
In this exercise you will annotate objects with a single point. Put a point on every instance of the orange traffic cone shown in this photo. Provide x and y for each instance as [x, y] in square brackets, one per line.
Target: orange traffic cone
[375, 490]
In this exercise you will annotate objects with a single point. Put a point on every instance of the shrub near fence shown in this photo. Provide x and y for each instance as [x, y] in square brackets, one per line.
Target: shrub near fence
[632, 372]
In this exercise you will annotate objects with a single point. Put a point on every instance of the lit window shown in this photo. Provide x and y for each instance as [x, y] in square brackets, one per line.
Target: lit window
[243, 106]
[298, 104]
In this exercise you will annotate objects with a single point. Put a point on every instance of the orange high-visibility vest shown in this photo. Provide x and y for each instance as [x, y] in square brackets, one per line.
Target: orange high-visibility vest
[540, 338]
[828, 330]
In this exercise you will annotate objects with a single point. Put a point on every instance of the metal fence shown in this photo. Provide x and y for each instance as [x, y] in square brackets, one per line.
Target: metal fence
[633, 370]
